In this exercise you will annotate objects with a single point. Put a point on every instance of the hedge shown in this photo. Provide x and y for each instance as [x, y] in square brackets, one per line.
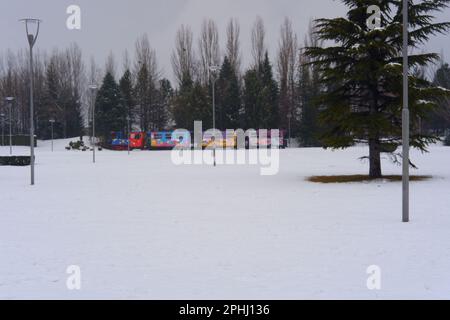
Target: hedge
[15, 161]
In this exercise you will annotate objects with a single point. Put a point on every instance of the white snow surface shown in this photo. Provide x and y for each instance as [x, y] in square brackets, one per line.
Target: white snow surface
[141, 228]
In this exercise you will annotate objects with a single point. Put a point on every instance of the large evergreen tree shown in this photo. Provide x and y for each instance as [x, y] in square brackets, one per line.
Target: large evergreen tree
[110, 109]
[181, 110]
[261, 97]
[126, 90]
[252, 99]
[362, 72]
[228, 97]
[270, 115]
[163, 104]
[143, 93]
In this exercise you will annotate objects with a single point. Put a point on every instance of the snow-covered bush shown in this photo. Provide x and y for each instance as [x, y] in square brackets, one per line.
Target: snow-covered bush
[77, 145]
[447, 140]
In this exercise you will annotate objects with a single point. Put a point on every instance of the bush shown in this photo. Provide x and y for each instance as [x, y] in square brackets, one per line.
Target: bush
[77, 145]
[15, 161]
[447, 140]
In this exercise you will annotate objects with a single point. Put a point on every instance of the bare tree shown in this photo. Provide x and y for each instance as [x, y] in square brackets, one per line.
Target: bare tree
[110, 64]
[183, 58]
[233, 44]
[209, 48]
[258, 42]
[126, 65]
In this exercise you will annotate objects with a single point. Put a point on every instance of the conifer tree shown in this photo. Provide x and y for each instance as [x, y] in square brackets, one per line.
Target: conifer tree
[126, 89]
[362, 72]
[110, 108]
[228, 97]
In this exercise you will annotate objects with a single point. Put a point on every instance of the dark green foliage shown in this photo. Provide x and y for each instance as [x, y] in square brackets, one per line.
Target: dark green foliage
[61, 101]
[161, 107]
[144, 92]
[192, 103]
[309, 129]
[261, 97]
[362, 75]
[447, 140]
[15, 161]
[228, 98]
[270, 116]
[126, 89]
[110, 109]
[77, 145]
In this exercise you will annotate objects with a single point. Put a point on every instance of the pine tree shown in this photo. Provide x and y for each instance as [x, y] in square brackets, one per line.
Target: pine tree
[362, 72]
[126, 90]
[228, 97]
[270, 112]
[182, 109]
[261, 97]
[252, 99]
[143, 93]
[164, 99]
[110, 109]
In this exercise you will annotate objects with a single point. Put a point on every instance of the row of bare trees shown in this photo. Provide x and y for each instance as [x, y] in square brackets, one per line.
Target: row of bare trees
[62, 78]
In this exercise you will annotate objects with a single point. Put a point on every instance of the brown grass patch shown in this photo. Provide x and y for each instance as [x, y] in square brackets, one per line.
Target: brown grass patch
[362, 178]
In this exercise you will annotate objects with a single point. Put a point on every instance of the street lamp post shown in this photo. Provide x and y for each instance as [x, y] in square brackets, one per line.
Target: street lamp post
[214, 70]
[2, 116]
[10, 103]
[129, 134]
[93, 89]
[52, 122]
[289, 116]
[405, 115]
[31, 41]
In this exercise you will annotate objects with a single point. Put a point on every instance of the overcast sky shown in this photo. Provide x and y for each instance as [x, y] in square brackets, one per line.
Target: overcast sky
[115, 24]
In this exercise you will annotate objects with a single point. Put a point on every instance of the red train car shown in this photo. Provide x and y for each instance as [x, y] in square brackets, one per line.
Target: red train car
[137, 140]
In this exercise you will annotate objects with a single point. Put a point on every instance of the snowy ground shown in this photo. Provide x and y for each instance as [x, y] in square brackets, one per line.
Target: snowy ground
[140, 227]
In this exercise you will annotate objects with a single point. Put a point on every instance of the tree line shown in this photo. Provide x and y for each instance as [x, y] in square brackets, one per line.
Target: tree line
[286, 93]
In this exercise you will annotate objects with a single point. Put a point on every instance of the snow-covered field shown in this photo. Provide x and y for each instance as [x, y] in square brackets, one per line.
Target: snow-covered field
[140, 227]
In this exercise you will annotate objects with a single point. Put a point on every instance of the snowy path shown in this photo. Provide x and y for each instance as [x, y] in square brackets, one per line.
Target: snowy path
[139, 227]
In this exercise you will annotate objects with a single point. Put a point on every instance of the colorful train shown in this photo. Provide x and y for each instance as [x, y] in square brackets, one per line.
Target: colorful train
[168, 140]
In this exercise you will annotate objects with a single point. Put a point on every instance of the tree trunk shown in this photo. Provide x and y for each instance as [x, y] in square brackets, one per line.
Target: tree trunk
[375, 158]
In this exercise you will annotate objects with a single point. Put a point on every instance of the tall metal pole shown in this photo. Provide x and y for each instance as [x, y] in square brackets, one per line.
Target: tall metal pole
[214, 119]
[3, 128]
[93, 89]
[214, 70]
[93, 126]
[52, 121]
[31, 115]
[129, 134]
[10, 128]
[405, 115]
[289, 125]
[31, 41]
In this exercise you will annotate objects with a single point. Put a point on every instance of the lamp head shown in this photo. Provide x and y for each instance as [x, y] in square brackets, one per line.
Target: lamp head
[31, 36]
